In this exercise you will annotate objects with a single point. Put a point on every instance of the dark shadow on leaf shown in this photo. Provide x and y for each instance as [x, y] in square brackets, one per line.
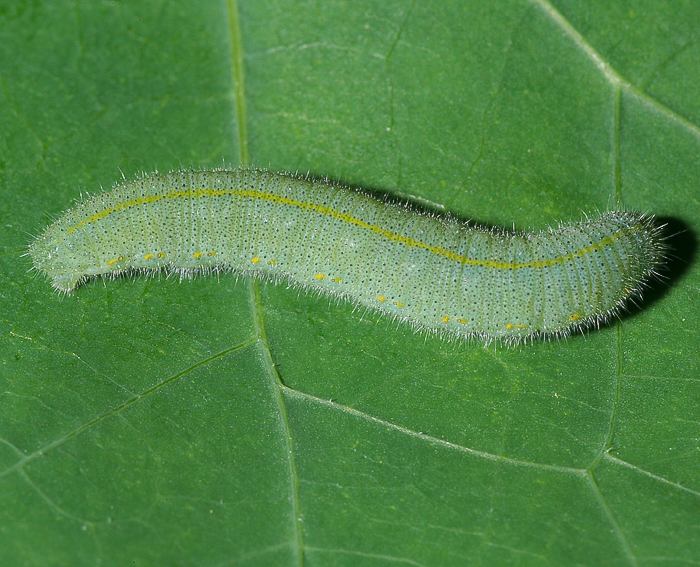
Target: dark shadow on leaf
[681, 245]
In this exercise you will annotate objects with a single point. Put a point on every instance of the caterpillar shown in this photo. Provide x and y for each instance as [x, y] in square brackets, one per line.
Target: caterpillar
[435, 272]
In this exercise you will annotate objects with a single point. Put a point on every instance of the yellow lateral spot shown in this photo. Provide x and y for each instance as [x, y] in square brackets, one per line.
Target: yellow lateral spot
[255, 259]
[511, 326]
[462, 321]
[319, 277]
[336, 280]
[211, 253]
[445, 318]
[113, 261]
[575, 316]
[198, 254]
[149, 256]
[161, 254]
[381, 298]
[399, 304]
[272, 262]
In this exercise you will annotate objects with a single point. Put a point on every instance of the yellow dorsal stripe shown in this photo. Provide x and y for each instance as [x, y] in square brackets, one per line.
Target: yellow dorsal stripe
[327, 211]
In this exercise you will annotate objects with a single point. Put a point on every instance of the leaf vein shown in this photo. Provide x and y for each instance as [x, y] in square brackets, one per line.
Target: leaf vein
[610, 73]
[116, 410]
[622, 539]
[617, 461]
[429, 438]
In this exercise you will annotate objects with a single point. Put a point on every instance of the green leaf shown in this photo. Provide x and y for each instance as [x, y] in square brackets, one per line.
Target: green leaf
[224, 422]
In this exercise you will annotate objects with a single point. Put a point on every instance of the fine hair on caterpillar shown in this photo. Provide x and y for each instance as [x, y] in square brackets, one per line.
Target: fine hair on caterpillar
[437, 273]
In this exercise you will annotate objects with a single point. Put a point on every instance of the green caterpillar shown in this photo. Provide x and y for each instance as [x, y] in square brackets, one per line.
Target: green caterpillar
[436, 273]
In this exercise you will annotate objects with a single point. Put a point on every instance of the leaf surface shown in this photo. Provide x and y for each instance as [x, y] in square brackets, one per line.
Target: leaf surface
[225, 422]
